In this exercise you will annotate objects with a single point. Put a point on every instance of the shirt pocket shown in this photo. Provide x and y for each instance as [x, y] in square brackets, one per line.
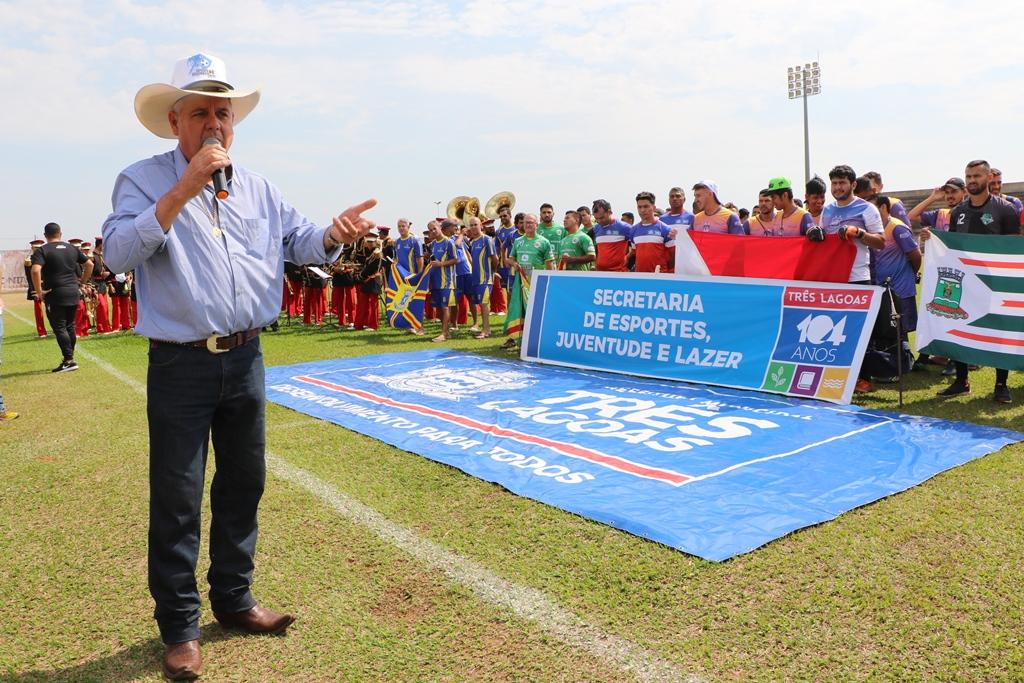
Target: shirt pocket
[255, 235]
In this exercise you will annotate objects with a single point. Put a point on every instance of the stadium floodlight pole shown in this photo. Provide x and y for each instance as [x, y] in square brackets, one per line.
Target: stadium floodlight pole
[805, 81]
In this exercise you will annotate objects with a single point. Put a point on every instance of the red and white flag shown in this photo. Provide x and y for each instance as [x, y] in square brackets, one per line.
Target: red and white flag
[776, 258]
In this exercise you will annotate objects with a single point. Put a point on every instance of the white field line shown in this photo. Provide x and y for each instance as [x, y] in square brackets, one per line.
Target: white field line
[524, 602]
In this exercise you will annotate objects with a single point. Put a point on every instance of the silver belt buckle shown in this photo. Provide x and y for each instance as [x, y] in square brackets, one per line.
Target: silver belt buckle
[211, 344]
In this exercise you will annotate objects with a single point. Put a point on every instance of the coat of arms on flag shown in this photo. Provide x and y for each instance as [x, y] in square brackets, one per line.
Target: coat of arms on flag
[972, 299]
[406, 294]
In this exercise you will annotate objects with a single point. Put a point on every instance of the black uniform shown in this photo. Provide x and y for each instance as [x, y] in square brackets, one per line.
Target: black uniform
[995, 217]
[61, 264]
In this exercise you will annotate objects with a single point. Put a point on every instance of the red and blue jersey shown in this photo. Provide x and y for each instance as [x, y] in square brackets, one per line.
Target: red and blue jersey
[684, 219]
[651, 242]
[612, 242]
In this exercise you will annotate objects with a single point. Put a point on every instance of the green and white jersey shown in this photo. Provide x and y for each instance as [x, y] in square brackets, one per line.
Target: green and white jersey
[554, 234]
[576, 244]
[532, 253]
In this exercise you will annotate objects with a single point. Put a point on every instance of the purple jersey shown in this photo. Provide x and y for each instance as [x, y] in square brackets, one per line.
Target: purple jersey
[891, 260]
[898, 211]
[937, 219]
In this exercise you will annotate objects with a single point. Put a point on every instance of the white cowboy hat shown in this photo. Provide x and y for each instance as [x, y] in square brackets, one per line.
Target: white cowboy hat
[200, 74]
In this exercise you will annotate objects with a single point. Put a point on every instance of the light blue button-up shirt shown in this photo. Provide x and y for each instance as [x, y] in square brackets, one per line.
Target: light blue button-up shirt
[192, 283]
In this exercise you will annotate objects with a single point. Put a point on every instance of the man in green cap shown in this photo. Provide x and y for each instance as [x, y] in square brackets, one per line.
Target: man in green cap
[790, 219]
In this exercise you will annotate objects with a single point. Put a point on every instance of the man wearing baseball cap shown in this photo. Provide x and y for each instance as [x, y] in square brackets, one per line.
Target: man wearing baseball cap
[790, 220]
[208, 255]
[712, 216]
[952, 192]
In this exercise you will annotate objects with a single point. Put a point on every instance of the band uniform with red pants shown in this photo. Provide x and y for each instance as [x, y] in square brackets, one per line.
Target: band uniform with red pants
[81, 313]
[37, 305]
[498, 303]
[368, 291]
[315, 292]
[100, 275]
[133, 300]
[121, 317]
[292, 294]
[343, 294]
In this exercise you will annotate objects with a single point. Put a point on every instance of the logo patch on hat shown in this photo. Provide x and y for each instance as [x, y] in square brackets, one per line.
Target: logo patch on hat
[199, 66]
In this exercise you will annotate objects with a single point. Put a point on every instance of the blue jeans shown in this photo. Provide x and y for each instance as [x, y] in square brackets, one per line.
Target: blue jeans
[191, 395]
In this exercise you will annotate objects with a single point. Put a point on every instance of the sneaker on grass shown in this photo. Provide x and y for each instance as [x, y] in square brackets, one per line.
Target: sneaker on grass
[66, 366]
[1001, 394]
[8, 415]
[955, 389]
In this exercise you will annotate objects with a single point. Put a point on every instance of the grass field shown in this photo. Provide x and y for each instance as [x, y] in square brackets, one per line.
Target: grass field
[402, 569]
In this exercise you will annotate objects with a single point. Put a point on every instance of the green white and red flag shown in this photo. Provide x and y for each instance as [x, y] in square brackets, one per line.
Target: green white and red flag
[972, 299]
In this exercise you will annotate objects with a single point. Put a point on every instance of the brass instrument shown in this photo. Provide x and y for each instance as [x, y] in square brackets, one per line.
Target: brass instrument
[495, 204]
[91, 301]
[472, 210]
[462, 208]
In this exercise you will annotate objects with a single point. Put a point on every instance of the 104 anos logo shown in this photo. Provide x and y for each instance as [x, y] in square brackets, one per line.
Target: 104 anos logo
[819, 337]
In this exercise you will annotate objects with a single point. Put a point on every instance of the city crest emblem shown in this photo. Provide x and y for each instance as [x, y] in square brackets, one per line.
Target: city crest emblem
[949, 288]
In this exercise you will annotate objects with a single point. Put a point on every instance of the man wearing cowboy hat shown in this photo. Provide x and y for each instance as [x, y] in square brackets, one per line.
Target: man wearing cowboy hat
[208, 270]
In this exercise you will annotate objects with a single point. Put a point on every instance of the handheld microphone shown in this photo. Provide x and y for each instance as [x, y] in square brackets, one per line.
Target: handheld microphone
[220, 178]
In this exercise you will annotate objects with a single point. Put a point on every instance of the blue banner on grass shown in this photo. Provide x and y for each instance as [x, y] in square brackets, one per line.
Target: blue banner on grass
[710, 471]
[796, 338]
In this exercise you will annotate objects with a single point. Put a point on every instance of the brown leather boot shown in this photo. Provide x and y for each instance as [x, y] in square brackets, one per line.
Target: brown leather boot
[256, 620]
[183, 661]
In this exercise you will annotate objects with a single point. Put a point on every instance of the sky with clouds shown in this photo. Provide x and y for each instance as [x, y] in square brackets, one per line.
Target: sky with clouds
[565, 102]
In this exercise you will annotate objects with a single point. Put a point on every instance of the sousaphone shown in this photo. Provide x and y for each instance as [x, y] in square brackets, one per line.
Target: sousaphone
[499, 200]
[457, 208]
[472, 209]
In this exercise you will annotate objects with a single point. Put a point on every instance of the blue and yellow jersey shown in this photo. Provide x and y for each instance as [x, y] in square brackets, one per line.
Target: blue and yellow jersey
[407, 251]
[481, 250]
[444, 276]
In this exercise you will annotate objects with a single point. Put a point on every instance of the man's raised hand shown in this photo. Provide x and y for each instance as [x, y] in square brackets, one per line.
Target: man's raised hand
[350, 225]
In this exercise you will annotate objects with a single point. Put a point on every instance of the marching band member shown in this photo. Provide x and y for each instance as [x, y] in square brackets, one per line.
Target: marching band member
[100, 276]
[369, 257]
[37, 304]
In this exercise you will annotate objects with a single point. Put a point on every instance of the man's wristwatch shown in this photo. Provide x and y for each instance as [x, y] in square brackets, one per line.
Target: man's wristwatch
[330, 239]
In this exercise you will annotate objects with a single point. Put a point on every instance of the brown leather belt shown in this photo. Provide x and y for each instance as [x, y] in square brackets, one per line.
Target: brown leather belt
[213, 343]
